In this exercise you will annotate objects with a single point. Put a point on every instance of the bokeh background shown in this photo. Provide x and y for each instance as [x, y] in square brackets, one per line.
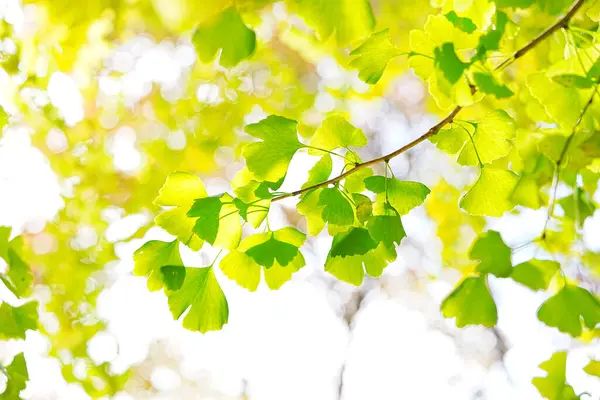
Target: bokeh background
[87, 150]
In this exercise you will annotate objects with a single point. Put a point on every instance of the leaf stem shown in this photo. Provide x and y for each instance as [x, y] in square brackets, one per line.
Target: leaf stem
[562, 22]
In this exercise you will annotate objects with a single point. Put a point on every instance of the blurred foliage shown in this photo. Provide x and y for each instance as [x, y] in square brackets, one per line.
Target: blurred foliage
[189, 89]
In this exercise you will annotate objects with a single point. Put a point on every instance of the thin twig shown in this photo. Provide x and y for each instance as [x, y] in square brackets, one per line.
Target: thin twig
[563, 22]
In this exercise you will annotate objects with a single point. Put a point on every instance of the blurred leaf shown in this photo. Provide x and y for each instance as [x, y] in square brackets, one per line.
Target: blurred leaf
[554, 386]
[371, 57]
[17, 376]
[151, 257]
[15, 321]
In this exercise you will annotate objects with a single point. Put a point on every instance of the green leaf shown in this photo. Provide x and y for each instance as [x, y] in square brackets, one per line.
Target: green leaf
[201, 293]
[18, 278]
[491, 40]
[217, 221]
[310, 208]
[277, 275]
[593, 12]
[227, 32]
[15, 321]
[4, 242]
[355, 241]
[403, 196]
[355, 183]
[180, 190]
[593, 368]
[349, 19]
[320, 172]
[464, 24]
[573, 81]
[241, 268]
[492, 253]
[364, 206]
[569, 308]
[153, 255]
[535, 274]
[487, 84]
[554, 386]
[492, 139]
[172, 276]
[335, 132]
[337, 209]
[580, 209]
[279, 246]
[371, 57]
[594, 71]
[491, 193]
[471, 303]
[18, 376]
[269, 159]
[561, 104]
[448, 62]
[351, 269]
[450, 140]
[386, 229]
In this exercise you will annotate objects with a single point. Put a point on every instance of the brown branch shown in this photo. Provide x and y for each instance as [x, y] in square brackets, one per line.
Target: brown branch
[561, 23]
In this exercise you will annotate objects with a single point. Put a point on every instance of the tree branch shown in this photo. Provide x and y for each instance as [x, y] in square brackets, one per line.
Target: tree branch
[561, 23]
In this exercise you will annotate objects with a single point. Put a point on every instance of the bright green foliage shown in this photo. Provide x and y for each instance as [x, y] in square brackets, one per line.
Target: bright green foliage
[571, 80]
[15, 321]
[335, 132]
[179, 191]
[18, 376]
[355, 241]
[490, 140]
[172, 276]
[490, 195]
[226, 32]
[151, 257]
[593, 368]
[471, 304]
[269, 159]
[493, 255]
[571, 307]
[403, 196]
[337, 209]
[371, 57]
[554, 386]
[560, 103]
[202, 294]
[448, 62]
[320, 172]
[577, 206]
[488, 84]
[242, 269]
[535, 274]
[464, 24]
[348, 19]
[18, 278]
[218, 221]
[309, 207]
[386, 229]
[352, 269]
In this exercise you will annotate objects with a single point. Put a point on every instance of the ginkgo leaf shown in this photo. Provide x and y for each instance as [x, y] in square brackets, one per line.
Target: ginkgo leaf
[241, 268]
[218, 221]
[337, 209]
[371, 57]
[335, 132]
[281, 246]
[202, 295]
[320, 172]
[277, 275]
[153, 255]
[572, 80]
[18, 277]
[492, 253]
[387, 229]
[179, 191]
[269, 159]
[535, 274]
[514, 3]
[491, 139]
[491, 40]
[227, 32]
[593, 368]
[577, 206]
[403, 196]
[355, 241]
[15, 321]
[355, 183]
[594, 12]
[554, 386]
[349, 19]
[464, 24]
[364, 206]
[172, 276]
[448, 62]
[488, 84]
[561, 104]
[490, 195]
[569, 308]
[451, 140]
[351, 269]
[310, 208]
[17, 376]
[471, 303]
